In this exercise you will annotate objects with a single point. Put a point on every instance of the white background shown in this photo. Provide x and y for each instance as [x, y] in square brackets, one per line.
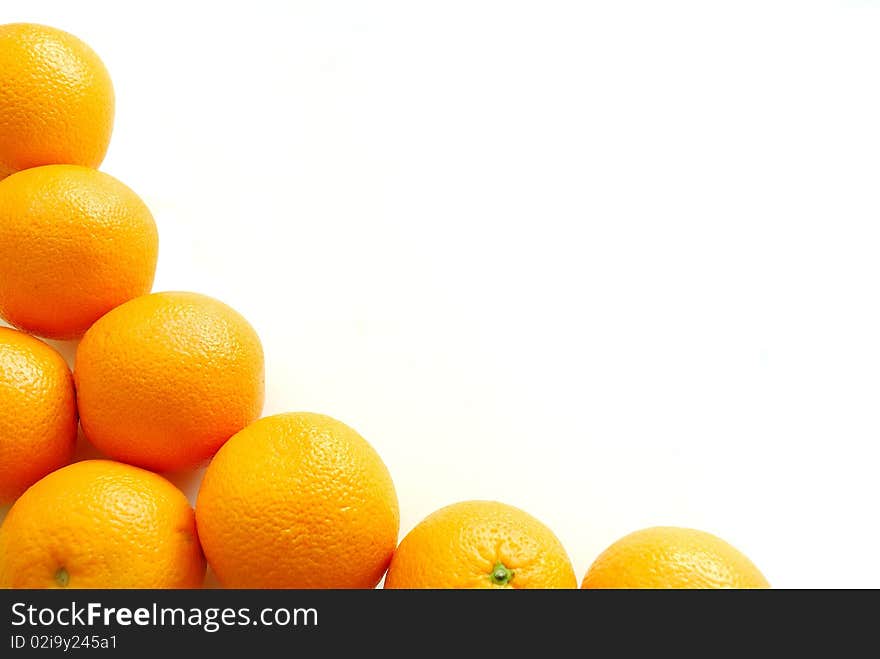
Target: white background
[613, 262]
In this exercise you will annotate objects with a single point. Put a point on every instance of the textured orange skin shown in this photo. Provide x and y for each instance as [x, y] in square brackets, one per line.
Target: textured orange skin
[37, 412]
[672, 557]
[56, 100]
[109, 525]
[75, 243]
[165, 379]
[298, 501]
[458, 547]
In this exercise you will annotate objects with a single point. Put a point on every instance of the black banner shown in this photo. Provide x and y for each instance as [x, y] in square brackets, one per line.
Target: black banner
[277, 622]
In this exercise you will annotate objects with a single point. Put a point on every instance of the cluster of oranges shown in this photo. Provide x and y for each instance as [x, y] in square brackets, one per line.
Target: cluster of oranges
[169, 381]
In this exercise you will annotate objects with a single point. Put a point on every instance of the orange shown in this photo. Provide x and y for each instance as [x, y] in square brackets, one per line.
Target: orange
[76, 243]
[101, 524]
[672, 557]
[298, 501]
[480, 544]
[165, 379]
[56, 100]
[37, 412]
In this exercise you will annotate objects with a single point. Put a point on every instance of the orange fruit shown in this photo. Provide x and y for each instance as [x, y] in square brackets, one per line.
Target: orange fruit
[480, 544]
[76, 243]
[101, 524]
[165, 379]
[37, 412]
[56, 100]
[672, 557]
[298, 501]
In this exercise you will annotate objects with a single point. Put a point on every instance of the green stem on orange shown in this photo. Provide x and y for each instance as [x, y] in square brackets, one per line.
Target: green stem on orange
[501, 575]
[62, 578]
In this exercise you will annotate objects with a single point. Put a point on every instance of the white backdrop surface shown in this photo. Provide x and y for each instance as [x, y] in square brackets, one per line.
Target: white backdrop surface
[612, 262]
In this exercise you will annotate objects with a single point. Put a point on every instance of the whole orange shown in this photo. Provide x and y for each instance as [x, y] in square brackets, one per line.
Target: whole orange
[76, 243]
[56, 99]
[480, 544]
[101, 524]
[672, 557]
[165, 379]
[298, 501]
[37, 412]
